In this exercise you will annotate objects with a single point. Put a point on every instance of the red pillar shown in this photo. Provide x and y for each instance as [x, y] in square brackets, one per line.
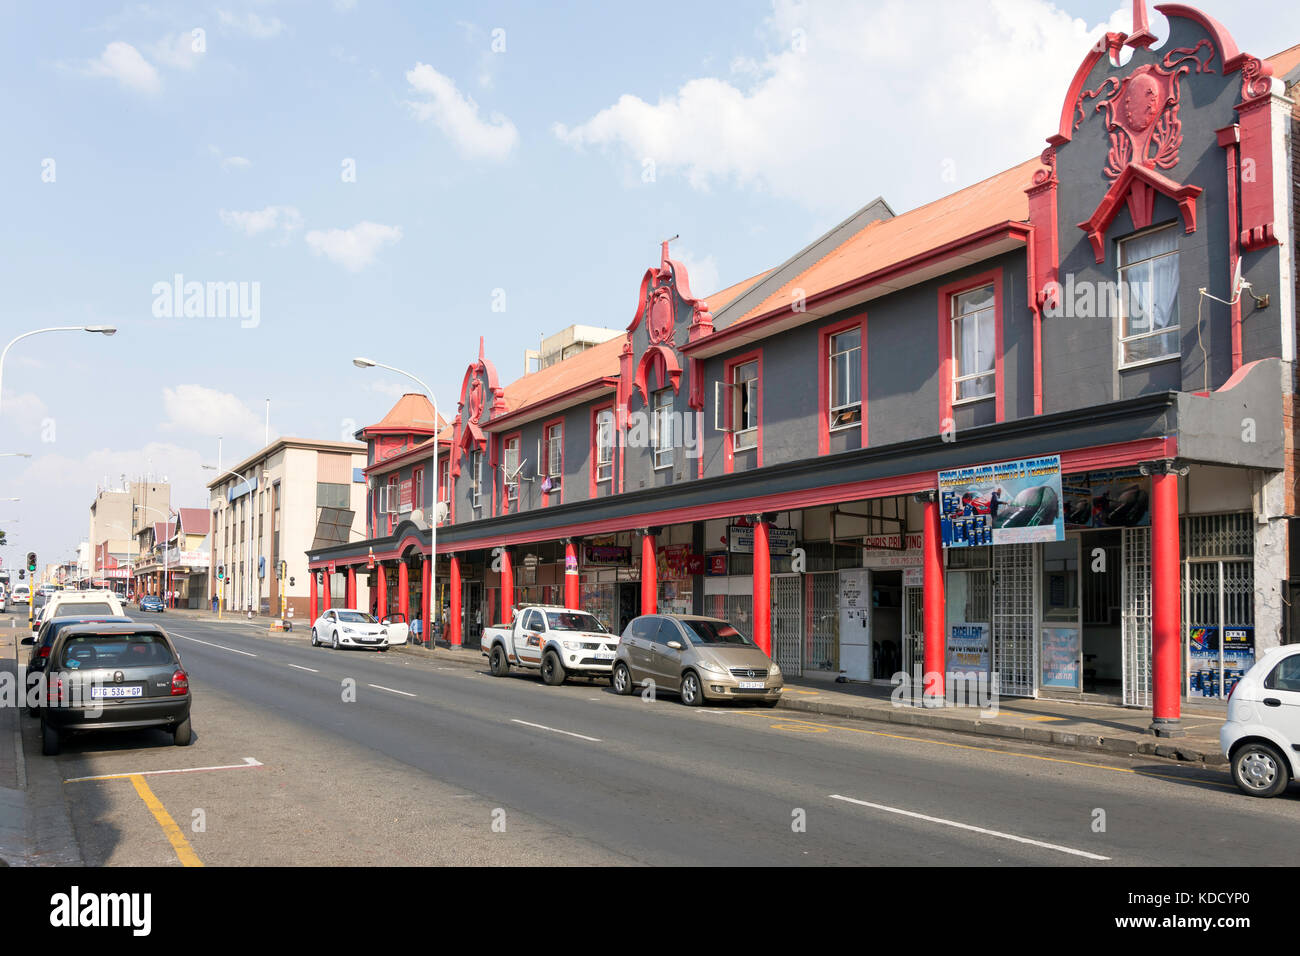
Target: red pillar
[1166, 624]
[311, 599]
[453, 625]
[507, 587]
[762, 587]
[328, 577]
[381, 588]
[572, 595]
[403, 589]
[352, 587]
[649, 574]
[932, 558]
[427, 604]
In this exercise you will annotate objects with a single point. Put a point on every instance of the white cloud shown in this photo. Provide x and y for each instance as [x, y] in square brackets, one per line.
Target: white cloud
[354, 248]
[176, 51]
[252, 24]
[285, 219]
[458, 117]
[844, 107]
[122, 62]
[236, 162]
[199, 410]
[22, 412]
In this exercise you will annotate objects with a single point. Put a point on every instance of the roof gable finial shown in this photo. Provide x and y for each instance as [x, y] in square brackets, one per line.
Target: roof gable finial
[1141, 35]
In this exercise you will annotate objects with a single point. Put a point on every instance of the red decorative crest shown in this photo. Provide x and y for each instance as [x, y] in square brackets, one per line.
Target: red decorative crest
[475, 400]
[1142, 110]
[659, 315]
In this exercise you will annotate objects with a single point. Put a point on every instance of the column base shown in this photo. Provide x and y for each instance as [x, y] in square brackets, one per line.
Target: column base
[1167, 727]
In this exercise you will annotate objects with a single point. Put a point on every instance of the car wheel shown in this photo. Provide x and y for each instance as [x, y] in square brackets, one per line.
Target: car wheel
[183, 733]
[50, 739]
[692, 694]
[497, 662]
[334, 642]
[621, 680]
[1259, 770]
[314, 641]
[552, 670]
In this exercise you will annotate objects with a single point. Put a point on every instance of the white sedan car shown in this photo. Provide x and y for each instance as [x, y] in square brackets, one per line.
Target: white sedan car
[343, 627]
[1261, 738]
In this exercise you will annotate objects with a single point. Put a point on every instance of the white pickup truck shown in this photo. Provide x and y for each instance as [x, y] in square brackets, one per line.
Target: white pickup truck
[558, 641]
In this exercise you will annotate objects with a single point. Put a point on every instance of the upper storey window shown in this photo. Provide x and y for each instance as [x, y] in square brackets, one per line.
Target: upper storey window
[974, 336]
[1148, 297]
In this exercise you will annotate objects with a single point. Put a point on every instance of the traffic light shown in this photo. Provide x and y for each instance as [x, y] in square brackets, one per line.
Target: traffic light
[31, 561]
[221, 572]
[22, 574]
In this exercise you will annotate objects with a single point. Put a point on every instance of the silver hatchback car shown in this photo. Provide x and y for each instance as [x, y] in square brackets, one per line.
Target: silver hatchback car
[699, 658]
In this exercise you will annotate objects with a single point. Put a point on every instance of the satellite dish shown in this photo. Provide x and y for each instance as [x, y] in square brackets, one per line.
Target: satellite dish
[441, 511]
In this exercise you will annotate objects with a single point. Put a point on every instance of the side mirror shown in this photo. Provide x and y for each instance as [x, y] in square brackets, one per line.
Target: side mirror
[28, 641]
[675, 645]
[385, 622]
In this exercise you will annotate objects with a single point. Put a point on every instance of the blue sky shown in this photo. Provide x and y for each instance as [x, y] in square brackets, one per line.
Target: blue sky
[538, 149]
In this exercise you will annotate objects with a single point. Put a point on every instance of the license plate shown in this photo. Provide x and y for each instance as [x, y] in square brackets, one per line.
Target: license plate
[605, 655]
[116, 692]
[751, 685]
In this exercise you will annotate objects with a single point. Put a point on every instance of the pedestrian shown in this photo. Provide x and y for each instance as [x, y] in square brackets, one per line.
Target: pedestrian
[417, 631]
[214, 602]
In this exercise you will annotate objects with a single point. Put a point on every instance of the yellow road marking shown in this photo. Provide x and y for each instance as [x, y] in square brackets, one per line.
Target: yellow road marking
[988, 750]
[184, 852]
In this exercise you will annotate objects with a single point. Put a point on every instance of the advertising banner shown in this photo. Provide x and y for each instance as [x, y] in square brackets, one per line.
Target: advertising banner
[1061, 646]
[1107, 499]
[1010, 502]
[1214, 666]
[968, 647]
[606, 555]
[740, 540]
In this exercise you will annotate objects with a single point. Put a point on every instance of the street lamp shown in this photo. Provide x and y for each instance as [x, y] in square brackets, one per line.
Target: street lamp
[248, 574]
[433, 525]
[15, 454]
[100, 329]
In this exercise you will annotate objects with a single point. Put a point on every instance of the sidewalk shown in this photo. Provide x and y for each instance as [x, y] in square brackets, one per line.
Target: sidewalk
[13, 772]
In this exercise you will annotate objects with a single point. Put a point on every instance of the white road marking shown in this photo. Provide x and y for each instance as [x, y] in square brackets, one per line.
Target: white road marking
[390, 690]
[555, 730]
[301, 668]
[218, 646]
[973, 829]
[248, 764]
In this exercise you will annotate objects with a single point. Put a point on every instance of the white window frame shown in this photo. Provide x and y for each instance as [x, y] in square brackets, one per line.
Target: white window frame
[744, 392]
[476, 478]
[508, 467]
[955, 318]
[1121, 306]
[605, 445]
[554, 450]
[663, 457]
[836, 410]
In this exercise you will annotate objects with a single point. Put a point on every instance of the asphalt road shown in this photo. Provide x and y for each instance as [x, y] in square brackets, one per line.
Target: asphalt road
[434, 764]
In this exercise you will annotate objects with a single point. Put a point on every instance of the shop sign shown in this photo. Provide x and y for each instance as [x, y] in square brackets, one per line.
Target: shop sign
[717, 564]
[1010, 502]
[740, 540]
[672, 562]
[1107, 499]
[968, 647]
[913, 577]
[606, 555]
[1060, 650]
[404, 496]
[887, 551]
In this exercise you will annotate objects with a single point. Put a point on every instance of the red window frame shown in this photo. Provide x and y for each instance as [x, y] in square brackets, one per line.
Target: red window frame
[728, 442]
[593, 482]
[547, 500]
[947, 361]
[417, 488]
[394, 493]
[824, 336]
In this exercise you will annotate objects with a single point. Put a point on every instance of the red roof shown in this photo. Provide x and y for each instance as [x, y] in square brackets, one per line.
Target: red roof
[195, 520]
[1286, 61]
[163, 531]
[412, 413]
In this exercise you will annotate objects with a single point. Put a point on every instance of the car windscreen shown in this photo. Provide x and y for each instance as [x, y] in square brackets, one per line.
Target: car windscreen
[356, 617]
[53, 626]
[127, 649]
[83, 608]
[715, 632]
[572, 621]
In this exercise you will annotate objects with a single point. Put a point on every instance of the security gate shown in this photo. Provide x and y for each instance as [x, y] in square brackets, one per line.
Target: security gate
[787, 612]
[1219, 624]
[1136, 640]
[822, 630]
[1013, 619]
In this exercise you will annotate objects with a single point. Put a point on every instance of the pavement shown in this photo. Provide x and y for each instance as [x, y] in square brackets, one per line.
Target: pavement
[1088, 727]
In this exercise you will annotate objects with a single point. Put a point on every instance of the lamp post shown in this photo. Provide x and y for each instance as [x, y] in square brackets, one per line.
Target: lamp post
[99, 329]
[433, 525]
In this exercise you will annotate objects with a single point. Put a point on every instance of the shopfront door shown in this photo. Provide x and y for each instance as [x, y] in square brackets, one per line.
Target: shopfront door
[1136, 600]
[471, 611]
[787, 615]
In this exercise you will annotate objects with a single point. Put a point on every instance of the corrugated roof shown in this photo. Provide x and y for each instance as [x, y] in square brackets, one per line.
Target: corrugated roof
[1286, 61]
[413, 412]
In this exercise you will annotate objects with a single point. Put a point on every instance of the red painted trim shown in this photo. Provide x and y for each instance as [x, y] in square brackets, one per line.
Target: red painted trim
[1136, 187]
[947, 362]
[453, 598]
[649, 576]
[1229, 138]
[728, 437]
[1085, 459]
[762, 588]
[933, 615]
[572, 593]
[1166, 627]
[547, 500]
[824, 335]
[717, 342]
[592, 481]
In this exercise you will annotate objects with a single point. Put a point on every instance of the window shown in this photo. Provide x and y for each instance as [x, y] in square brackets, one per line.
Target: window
[394, 495]
[604, 445]
[744, 414]
[1286, 676]
[663, 428]
[846, 378]
[417, 488]
[443, 482]
[554, 449]
[974, 336]
[510, 469]
[475, 477]
[1148, 297]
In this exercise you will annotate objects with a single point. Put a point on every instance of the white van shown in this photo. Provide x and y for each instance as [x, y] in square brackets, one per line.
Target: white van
[80, 604]
[18, 595]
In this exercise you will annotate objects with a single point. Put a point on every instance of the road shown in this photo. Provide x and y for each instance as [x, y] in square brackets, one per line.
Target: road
[429, 763]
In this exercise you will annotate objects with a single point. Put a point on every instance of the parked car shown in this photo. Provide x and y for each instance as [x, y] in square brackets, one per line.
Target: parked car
[699, 658]
[80, 603]
[399, 631]
[42, 642]
[114, 677]
[18, 596]
[344, 627]
[1261, 737]
[557, 641]
[152, 602]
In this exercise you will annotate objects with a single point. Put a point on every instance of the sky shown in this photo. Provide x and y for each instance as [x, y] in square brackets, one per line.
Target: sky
[397, 180]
